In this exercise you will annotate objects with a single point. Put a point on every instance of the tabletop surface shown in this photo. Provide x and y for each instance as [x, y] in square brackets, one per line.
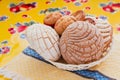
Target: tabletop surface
[17, 15]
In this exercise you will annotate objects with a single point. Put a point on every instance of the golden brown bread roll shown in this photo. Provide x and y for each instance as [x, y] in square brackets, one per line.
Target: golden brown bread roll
[63, 22]
[51, 18]
[79, 15]
[81, 43]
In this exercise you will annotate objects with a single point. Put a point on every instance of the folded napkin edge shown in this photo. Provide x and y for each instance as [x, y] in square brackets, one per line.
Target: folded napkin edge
[11, 75]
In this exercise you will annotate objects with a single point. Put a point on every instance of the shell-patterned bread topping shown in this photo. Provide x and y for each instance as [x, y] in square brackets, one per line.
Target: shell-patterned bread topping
[63, 22]
[79, 15]
[44, 40]
[105, 28]
[106, 31]
[81, 43]
[51, 18]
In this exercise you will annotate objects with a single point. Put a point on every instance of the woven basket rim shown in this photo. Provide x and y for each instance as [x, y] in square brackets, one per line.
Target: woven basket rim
[107, 53]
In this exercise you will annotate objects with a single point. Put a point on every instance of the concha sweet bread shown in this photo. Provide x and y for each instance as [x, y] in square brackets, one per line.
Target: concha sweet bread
[105, 28]
[63, 22]
[81, 43]
[106, 31]
[79, 15]
[44, 40]
[51, 18]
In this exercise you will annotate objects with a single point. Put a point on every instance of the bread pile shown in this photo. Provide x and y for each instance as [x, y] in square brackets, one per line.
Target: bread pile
[78, 38]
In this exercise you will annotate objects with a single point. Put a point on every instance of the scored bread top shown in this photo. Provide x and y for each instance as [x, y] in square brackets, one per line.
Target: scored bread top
[81, 42]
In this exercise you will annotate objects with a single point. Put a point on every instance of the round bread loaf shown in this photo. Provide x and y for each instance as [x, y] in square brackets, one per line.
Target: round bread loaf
[104, 27]
[51, 18]
[81, 43]
[63, 22]
[106, 31]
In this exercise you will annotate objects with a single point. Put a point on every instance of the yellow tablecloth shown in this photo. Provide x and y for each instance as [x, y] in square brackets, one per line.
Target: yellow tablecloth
[12, 41]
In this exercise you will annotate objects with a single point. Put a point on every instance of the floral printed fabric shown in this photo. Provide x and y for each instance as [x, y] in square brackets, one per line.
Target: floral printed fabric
[17, 15]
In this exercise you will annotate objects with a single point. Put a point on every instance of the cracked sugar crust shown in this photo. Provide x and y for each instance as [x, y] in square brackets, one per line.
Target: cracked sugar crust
[81, 42]
[63, 23]
[44, 40]
[105, 28]
[106, 31]
[51, 18]
[79, 15]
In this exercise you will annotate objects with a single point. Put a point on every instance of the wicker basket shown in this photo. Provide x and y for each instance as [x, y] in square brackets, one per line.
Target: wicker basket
[72, 67]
